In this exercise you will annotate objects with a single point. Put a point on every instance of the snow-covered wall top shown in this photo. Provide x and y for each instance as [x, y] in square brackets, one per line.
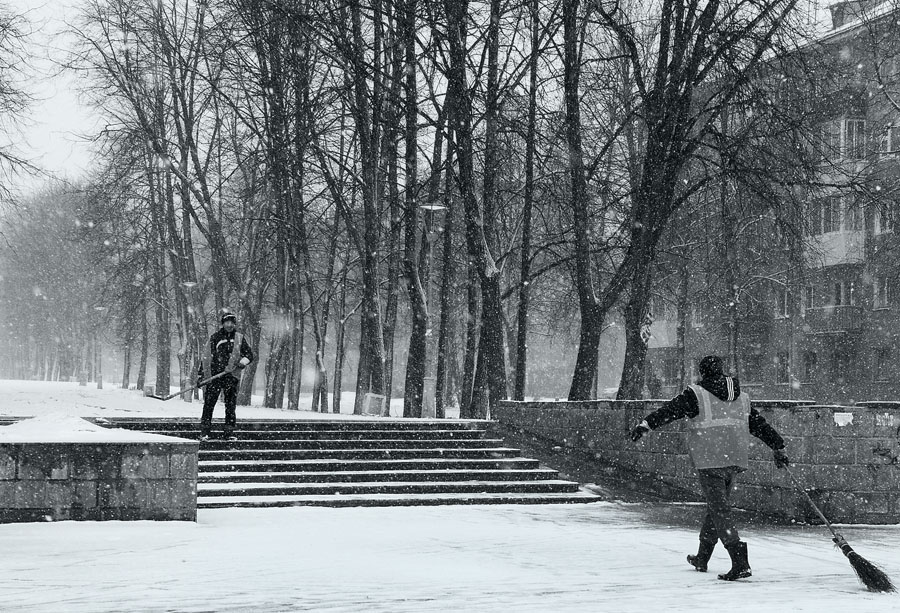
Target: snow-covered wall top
[63, 428]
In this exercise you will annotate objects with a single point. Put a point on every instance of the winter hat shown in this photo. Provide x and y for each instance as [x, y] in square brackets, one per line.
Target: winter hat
[226, 316]
[711, 366]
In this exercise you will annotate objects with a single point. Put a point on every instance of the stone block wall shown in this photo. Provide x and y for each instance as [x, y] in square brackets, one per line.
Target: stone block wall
[98, 481]
[848, 457]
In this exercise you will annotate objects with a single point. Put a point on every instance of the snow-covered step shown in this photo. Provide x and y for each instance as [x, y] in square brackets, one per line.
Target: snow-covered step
[275, 444]
[213, 466]
[371, 462]
[357, 434]
[357, 454]
[347, 422]
[384, 500]
[353, 476]
[206, 490]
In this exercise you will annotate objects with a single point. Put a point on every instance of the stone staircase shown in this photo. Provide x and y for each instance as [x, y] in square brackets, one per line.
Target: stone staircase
[363, 462]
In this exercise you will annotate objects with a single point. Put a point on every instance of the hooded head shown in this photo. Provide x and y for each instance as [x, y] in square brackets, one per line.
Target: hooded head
[229, 321]
[711, 367]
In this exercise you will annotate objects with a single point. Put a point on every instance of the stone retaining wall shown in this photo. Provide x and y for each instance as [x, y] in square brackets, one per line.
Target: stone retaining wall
[98, 481]
[848, 457]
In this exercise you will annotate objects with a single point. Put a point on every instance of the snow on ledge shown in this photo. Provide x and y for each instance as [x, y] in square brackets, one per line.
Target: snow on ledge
[58, 427]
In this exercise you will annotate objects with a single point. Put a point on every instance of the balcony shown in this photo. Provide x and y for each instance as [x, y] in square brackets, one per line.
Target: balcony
[833, 319]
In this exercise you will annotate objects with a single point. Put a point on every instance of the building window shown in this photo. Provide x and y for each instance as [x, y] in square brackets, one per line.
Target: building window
[671, 371]
[890, 141]
[782, 367]
[698, 317]
[882, 361]
[834, 213]
[843, 293]
[881, 298]
[810, 360]
[809, 297]
[782, 305]
[831, 140]
[831, 214]
[853, 218]
[814, 217]
[884, 217]
[855, 139]
[841, 365]
[753, 368]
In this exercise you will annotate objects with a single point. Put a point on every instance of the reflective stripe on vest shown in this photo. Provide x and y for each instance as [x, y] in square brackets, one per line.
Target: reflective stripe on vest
[720, 434]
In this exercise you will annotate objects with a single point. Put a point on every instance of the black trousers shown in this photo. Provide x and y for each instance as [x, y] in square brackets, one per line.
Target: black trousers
[228, 386]
[718, 525]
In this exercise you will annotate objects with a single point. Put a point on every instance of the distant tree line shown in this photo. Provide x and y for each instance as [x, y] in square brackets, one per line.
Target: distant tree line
[449, 174]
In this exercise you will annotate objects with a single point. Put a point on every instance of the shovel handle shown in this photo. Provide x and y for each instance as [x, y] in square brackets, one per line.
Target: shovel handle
[189, 389]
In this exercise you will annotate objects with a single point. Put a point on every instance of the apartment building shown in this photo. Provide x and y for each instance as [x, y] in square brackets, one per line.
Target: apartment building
[830, 332]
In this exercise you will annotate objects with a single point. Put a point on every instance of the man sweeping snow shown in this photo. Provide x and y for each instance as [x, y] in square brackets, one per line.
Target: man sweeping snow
[719, 420]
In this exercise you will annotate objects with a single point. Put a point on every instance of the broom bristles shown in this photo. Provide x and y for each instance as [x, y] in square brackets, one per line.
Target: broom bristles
[875, 579]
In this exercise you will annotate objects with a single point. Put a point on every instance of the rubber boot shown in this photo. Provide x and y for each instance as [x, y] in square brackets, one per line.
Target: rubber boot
[700, 560]
[740, 567]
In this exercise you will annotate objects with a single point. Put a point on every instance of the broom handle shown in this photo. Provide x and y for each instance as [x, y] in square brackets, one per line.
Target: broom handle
[798, 485]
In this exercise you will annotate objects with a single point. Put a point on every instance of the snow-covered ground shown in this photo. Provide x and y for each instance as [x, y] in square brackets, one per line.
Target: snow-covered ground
[604, 557]
[26, 398]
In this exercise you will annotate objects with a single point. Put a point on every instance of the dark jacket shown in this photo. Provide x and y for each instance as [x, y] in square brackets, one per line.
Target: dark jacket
[221, 344]
[686, 406]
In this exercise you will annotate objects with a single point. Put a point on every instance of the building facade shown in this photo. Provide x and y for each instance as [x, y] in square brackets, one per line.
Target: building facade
[830, 329]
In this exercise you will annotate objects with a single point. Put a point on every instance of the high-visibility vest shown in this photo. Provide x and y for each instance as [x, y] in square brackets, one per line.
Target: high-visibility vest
[720, 434]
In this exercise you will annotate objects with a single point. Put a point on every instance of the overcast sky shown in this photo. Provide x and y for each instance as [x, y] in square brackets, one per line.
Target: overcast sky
[53, 135]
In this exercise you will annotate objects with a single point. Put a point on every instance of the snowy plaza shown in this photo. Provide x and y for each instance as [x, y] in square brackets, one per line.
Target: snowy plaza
[610, 556]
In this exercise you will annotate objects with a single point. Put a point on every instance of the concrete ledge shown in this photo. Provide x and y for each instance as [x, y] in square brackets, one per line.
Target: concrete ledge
[847, 456]
[128, 476]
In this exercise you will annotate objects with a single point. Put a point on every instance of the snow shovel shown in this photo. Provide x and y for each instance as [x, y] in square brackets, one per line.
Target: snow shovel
[190, 389]
[875, 579]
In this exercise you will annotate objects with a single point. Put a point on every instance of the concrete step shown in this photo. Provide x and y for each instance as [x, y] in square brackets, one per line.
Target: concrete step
[206, 490]
[382, 443]
[300, 425]
[356, 476]
[307, 435]
[363, 462]
[209, 467]
[356, 454]
[386, 500]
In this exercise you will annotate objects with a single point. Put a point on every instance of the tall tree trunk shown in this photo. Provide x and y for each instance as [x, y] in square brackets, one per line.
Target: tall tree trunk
[479, 224]
[471, 352]
[525, 266]
[683, 314]
[367, 111]
[591, 313]
[637, 322]
[417, 354]
[145, 347]
[445, 332]
[126, 365]
[339, 345]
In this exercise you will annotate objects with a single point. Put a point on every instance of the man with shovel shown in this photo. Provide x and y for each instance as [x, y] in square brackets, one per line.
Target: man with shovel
[719, 420]
[229, 353]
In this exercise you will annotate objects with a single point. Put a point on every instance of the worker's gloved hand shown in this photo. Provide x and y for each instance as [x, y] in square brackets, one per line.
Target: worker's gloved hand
[639, 430]
[781, 459]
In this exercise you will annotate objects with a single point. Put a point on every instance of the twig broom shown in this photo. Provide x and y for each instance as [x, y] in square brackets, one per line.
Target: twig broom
[875, 579]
